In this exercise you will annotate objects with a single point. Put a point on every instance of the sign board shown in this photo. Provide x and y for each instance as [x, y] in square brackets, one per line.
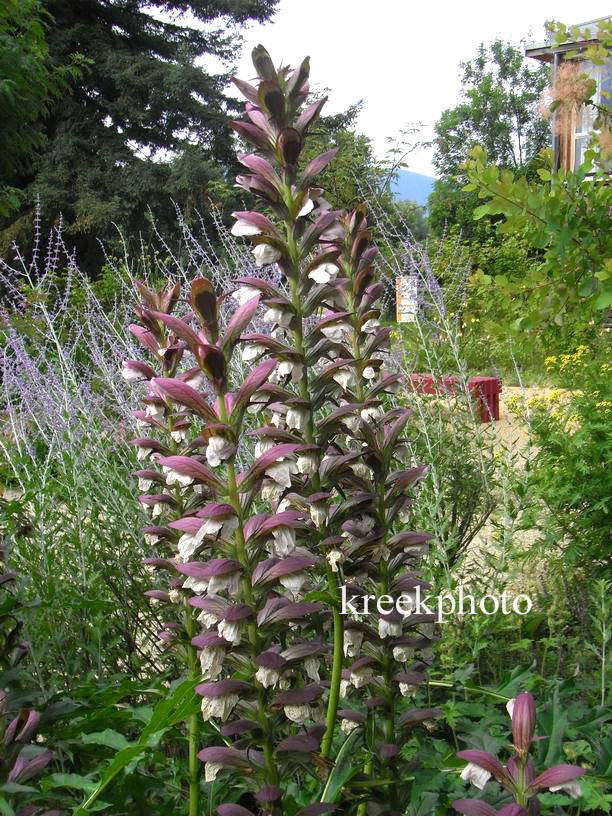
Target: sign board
[406, 298]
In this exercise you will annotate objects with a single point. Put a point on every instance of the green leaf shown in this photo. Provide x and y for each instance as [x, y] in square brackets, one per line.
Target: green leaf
[5, 808]
[587, 287]
[324, 597]
[108, 737]
[14, 787]
[604, 301]
[63, 780]
[559, 724]
[167, 712]
[121, 760]
[343, 769]
[481, 211]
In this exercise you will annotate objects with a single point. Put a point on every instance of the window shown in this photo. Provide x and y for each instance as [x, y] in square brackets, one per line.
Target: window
[583, 126]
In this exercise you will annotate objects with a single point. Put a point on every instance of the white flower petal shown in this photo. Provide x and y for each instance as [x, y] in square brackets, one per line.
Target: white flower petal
[267, 677]
[476, 775]
[281, 472]
[307, 207]
[265, 254]
[218, 707]
[218, 449]
[230, 630]
[244, 293]
[297, 714]
[284, 541]
[353, 639]
[242, 227]
[573, 788]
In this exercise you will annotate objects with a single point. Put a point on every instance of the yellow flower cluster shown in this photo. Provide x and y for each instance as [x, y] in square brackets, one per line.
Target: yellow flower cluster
[552, 405]
[565, 361]
[605, 406]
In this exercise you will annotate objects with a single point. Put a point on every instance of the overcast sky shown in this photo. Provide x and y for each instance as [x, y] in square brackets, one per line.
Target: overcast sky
[401, 57]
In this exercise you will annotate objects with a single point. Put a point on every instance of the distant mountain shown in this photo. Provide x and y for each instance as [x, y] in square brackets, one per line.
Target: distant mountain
[411, 186]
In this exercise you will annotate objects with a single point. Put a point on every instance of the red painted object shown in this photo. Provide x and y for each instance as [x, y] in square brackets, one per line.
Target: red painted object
[425, 384]
[486, 391]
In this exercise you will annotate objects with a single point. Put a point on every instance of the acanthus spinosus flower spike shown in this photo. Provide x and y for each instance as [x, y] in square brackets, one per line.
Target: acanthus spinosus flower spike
[329, 323]
[320, 503]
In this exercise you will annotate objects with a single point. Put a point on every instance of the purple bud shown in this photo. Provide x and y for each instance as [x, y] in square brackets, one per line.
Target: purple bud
[29, 728]
[270, 660]
[179, 327]
[298, 696]
[220, 688]
[387, 750]
[349, 714]
[239, 727]
[209, 640]
[184, 394]
[236, 612]
[158, 595]
[239, 321]
[261, 222]
[377, 702]
[309, 115]
[316, 165]
[136, 370]
[261, 167]
[289, 143]
[523, 721]
[25, 769]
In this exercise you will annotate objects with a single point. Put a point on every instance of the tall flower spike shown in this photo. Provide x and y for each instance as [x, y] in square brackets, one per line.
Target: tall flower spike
[236, 574]
[329, 318]
[318, 504]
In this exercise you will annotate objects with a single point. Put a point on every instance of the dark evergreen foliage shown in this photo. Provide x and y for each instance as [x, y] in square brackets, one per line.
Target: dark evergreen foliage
[146, 122]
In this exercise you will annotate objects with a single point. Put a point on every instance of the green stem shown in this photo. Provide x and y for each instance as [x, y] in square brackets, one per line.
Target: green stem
[336, 676]
[521, 798]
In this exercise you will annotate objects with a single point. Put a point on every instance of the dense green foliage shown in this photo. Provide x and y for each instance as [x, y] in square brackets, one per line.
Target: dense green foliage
[570, 474]
[29, 81]
[565, 214]
[145, 123]
[501, 93]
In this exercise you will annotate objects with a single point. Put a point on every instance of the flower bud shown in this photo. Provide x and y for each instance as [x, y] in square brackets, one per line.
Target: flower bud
[523, 721]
